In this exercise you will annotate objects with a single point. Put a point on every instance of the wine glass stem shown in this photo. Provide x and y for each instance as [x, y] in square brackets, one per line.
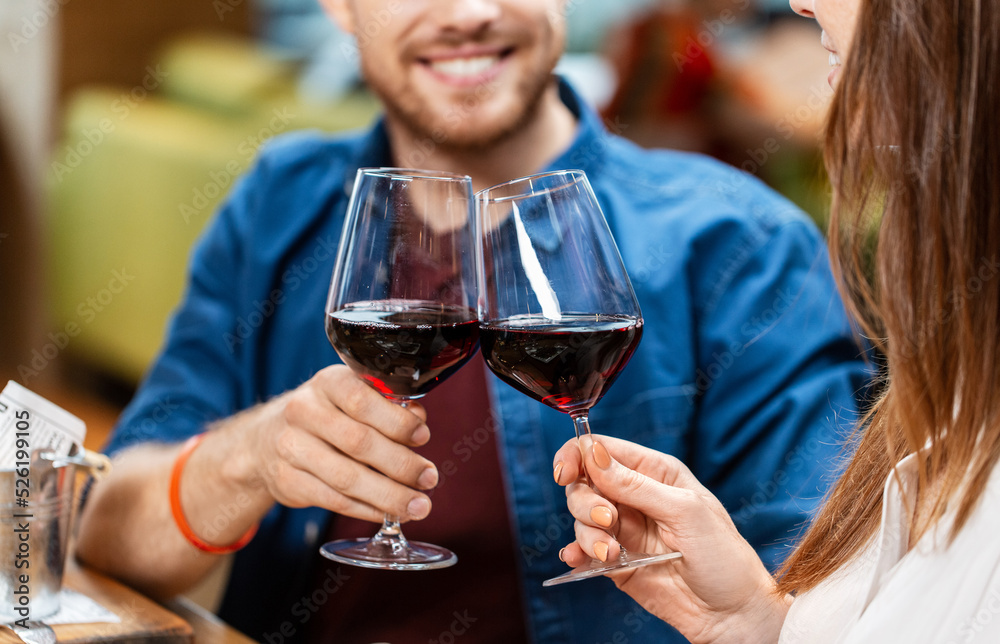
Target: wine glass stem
[390, 535]
[581, 423]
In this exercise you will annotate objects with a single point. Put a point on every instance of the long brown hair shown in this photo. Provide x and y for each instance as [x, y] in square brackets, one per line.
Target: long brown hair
[913, 147]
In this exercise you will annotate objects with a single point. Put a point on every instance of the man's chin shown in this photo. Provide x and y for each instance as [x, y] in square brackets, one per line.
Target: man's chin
[472, 138]
[477, 122]
[468, 132]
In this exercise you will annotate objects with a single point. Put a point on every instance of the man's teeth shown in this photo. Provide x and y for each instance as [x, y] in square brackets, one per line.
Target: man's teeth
[834, 59]
[464, 66]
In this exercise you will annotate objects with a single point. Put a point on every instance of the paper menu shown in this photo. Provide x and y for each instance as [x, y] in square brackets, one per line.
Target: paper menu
[49, 426]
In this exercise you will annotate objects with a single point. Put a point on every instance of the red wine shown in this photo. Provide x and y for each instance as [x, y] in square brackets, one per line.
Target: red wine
[403, 348]
[568, 364]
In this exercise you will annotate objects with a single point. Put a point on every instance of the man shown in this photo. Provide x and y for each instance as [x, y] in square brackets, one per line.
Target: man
[743, 333]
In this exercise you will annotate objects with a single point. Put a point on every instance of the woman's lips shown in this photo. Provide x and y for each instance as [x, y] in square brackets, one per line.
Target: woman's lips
[835, 61]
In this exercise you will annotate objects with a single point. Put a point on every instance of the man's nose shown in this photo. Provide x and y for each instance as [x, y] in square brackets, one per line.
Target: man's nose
[466, 16]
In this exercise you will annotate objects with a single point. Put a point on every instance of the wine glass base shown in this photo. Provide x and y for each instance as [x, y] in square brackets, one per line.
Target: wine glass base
[369, 553]
[596, 568]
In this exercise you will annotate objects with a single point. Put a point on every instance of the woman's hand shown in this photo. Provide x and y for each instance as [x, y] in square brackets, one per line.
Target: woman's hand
[719, 591]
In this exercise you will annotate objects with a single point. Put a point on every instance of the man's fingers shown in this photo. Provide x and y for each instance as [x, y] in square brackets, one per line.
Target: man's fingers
[305, 490]
[367, 446]
[354, 445]
[353, 438]
[360, 483]
[345, 476]
[353, 397]
[415, 408]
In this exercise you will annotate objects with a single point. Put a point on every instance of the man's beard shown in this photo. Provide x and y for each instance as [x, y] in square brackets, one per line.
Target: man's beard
[456, 131]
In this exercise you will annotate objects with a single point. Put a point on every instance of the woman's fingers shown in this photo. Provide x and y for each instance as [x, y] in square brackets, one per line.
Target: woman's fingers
[664, 468]
[574, 555]
[591, 543]
[566, 464]
[647, 485]
[589, 507]
[670, 489]
[596, 543]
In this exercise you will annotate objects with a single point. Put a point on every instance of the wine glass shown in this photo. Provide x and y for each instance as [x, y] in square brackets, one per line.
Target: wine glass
[401, 314]
[558, 317]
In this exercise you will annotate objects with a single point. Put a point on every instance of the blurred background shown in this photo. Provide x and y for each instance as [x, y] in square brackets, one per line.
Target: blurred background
[123, 124]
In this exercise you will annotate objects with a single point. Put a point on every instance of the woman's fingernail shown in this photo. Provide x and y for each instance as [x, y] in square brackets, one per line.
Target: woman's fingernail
[420, 507]
[557, 472]
[601, 456]
[428, 478]
[602, 516]
[561, 558]
[601, 550]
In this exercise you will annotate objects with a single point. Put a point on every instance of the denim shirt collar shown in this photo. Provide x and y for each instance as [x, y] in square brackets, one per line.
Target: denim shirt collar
[582, 154]
[591, 135]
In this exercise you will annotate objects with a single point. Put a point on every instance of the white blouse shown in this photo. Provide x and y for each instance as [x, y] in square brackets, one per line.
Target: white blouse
[933, 593]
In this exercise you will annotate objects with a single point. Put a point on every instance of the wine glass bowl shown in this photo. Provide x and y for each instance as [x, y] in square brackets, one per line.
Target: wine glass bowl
[401, 312]
[558, 317]
[403, 348]
[568, 363]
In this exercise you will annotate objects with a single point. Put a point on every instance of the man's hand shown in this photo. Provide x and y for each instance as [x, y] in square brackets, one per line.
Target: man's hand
[336, 443]
[333, 442]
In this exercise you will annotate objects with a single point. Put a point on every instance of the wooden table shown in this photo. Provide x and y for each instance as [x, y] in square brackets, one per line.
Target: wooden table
[207, 627]
[143, 620]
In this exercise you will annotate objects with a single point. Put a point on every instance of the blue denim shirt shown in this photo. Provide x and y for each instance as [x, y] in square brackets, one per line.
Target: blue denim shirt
[747, 369]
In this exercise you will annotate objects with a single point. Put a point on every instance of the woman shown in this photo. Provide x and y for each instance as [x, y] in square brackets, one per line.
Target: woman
[907, 546]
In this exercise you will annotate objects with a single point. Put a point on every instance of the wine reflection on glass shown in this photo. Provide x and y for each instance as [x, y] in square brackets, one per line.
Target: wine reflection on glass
[558, 317]
[401, 314]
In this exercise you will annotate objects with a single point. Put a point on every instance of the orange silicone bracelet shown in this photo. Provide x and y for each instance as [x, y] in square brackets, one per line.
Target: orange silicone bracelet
[175, 506]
